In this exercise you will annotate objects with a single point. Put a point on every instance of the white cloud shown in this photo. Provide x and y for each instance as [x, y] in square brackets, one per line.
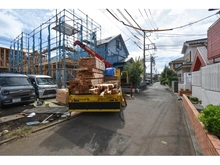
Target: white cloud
[10, 27]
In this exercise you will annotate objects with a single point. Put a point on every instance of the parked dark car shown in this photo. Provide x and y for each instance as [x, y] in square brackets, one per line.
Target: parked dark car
[45, 86]
[15, 89]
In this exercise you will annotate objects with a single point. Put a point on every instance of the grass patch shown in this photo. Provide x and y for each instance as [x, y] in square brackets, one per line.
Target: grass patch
[20, 132]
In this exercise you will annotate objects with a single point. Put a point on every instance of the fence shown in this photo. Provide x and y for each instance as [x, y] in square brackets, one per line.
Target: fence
[208, 78]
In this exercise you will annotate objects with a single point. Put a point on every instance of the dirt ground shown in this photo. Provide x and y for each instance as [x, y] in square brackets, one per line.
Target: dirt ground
[21, 122]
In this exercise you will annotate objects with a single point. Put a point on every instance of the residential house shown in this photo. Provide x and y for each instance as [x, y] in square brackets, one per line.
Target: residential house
[184, 71]
[112, 49]
[175, 64]
[206, 69]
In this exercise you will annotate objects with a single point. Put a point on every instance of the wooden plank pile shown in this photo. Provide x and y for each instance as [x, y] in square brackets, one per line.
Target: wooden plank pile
[90, 78]
[91, 63]
[104, 89]
[90, 72]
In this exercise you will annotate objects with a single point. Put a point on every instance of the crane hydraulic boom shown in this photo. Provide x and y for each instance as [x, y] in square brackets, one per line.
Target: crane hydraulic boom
[90, 51]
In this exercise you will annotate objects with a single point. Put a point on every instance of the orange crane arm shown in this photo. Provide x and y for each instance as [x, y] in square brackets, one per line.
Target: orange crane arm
[90, 51]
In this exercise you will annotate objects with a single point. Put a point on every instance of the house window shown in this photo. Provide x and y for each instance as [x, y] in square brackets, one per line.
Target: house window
[118, 45]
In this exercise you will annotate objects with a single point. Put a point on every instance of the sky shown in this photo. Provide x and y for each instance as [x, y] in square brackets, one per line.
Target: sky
[187, 23]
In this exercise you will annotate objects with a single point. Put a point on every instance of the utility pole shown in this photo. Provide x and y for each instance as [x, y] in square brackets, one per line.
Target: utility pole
[144, 78]
[150, 47]
[151, 68]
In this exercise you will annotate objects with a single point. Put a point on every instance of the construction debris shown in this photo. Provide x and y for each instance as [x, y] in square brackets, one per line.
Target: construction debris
[46, 120]
[3, 132]
[31, 114]
[32, 123]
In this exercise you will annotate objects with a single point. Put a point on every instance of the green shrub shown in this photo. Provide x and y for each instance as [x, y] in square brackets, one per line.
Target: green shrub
[210, 117]
[193, 100]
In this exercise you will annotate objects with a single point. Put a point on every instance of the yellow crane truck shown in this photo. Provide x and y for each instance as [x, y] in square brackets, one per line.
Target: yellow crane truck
[110, 98]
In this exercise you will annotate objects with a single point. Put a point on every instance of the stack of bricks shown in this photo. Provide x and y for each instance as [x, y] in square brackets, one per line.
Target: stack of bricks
[90, 73]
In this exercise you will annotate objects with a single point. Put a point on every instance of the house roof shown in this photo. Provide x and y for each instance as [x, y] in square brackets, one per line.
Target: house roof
[178, 60]
[107, 40]
[200, 59]
[186, 44]
[103, 41]
[3, 47]
[203, 52]
[214, 23]
[181, 59]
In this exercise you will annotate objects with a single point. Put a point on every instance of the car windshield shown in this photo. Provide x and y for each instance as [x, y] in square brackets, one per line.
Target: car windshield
[45, 81]
[14, 81]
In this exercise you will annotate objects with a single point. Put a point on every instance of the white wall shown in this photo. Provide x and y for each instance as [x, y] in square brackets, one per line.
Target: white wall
[196, 92]
[206, 84]
[210, 97]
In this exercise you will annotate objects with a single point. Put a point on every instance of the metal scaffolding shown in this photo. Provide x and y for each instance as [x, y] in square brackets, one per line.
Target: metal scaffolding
[51, 44]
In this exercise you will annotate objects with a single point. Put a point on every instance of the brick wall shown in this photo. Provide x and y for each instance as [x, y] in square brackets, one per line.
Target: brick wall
[209, 144]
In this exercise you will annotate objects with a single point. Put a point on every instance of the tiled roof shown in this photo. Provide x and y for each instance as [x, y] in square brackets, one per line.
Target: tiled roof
[178, 59]
[193, 42]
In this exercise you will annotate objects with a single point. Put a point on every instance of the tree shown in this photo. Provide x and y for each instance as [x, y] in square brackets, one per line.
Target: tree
[167, 76]
[135, 70]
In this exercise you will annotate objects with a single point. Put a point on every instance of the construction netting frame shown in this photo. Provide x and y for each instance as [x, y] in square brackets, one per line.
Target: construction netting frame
[49, 49]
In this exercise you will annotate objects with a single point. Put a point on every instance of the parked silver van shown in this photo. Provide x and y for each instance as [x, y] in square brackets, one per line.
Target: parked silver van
[15, 88]
[45, 86]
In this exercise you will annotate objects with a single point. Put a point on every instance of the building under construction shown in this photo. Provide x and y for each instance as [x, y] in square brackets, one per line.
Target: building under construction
[49, 50]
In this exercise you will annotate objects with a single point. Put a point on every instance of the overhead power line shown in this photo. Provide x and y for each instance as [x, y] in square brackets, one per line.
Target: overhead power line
[124, 32]
[179, 35]
[189, 24]
[138, 31]
[148, 17]
[158, 30]
[127, 20]
[152, 18]
[143, 17]
[132, 18]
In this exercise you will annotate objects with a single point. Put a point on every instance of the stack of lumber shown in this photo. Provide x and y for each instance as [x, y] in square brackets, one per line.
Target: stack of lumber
[104, 89]
[90, 73]
[91, 63]
[62, 96]
[90, 79]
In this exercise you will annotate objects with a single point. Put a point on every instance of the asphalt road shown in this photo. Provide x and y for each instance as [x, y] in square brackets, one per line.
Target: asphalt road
[155, 124]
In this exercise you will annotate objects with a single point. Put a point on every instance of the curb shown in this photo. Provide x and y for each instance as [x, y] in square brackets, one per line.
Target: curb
[195, 143]
[7, 140]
